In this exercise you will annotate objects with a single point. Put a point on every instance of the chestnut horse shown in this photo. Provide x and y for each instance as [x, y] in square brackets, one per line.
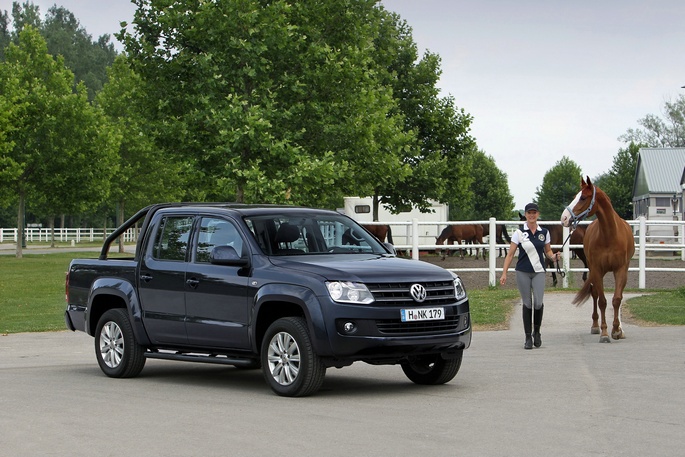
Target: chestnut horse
[380, 232]
[609, 246]
[466, 233]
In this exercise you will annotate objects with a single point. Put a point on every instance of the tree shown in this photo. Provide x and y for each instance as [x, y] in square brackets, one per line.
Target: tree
[270, 101]
[56, 152]
[145, 175]
[438, 155]
[559, 185]
[618, 182]
[491, 188]
[657, 132]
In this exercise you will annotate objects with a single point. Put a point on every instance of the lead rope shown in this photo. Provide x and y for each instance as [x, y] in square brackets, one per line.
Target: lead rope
[561, 272]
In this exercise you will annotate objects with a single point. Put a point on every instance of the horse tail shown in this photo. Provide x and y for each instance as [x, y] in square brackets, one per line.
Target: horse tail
[505, 234]
[390, 235]
[583, 294]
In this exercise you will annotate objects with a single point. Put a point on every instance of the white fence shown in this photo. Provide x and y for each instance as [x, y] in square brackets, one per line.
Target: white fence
[643, 243]
[78, 235]
[417, 239]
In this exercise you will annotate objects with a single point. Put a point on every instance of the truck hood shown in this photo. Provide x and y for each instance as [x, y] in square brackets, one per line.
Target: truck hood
[364, 268]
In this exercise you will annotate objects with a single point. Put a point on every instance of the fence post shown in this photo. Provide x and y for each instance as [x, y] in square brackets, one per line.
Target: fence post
[565, 231]
[415, 239]
[642, 253]
[492, 260]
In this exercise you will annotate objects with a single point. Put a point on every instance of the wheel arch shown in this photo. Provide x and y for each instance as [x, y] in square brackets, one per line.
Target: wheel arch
[109, 293]
[276, 301]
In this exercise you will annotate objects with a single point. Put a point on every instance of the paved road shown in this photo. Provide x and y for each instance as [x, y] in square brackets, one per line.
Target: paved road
[572, 397]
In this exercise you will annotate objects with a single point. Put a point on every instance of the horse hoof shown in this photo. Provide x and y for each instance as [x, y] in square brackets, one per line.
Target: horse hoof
[604, 339]
[620, 335]
[594, 331]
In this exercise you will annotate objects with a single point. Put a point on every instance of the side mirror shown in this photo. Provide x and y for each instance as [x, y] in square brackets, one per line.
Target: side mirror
[226, 255]
[390, 248]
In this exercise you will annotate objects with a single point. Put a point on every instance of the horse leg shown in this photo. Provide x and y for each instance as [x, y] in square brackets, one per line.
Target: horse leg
[602, 304]
[620, 278]
[594, 330]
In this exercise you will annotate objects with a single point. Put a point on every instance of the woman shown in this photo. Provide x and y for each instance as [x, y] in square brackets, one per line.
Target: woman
[533, 242]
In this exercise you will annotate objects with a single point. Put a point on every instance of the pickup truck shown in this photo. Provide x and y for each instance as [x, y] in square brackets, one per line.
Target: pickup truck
[289, 289]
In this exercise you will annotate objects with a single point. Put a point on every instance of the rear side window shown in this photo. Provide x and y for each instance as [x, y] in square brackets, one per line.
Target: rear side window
[171, 239]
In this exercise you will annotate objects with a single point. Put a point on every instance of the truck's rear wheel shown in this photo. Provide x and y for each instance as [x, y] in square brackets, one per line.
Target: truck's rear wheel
[116, 349]
[290, 365]
[432, 369]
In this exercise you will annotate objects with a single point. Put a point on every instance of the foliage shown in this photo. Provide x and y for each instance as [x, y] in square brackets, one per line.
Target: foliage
[618, 182]
[438, 155]
[144, 174]
[559, 186]
[492, 189]
[65, 37]
[668, 132]
[54, 138]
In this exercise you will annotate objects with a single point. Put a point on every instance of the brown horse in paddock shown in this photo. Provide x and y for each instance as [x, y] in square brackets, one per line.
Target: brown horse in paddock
[609, 246]
[380, 231]
[500, 235]
[459, 233]
[556, 235]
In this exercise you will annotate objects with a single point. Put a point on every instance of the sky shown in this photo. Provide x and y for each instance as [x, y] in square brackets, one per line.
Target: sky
[542, 79]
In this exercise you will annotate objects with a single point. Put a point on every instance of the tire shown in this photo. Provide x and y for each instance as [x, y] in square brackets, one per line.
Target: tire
[290, 365]
[432, 369]
[116, 349]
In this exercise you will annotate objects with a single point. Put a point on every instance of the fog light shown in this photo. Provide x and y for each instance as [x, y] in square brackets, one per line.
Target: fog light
[349, 327]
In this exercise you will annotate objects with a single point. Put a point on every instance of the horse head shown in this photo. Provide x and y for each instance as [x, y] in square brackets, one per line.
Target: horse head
[582, 206]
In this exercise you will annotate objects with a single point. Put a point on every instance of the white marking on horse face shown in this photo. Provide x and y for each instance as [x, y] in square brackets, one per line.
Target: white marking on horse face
[566, 215]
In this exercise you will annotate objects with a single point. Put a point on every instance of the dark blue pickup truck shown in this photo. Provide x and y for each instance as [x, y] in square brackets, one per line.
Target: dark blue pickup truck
[291, 290]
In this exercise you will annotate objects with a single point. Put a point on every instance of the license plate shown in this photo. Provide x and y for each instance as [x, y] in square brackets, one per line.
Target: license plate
[422, 314]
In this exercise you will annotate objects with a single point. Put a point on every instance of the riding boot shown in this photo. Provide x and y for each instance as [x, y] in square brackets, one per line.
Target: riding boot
[537, 321]
[527, 316]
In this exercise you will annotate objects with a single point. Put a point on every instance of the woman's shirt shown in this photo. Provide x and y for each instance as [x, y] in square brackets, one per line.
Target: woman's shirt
[531, 255]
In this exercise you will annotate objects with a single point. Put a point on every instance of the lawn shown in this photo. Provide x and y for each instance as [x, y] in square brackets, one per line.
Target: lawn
[32, 297]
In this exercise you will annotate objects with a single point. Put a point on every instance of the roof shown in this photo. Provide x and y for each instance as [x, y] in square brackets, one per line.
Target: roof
[659, 171]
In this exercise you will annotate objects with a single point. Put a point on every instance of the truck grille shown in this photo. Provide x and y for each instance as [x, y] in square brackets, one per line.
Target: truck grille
[397, 293]
[396, 327]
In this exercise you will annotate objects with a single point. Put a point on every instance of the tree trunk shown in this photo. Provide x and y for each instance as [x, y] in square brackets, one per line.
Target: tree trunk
[376, 199]
[120, 221]
[52, 232]
[20, 224]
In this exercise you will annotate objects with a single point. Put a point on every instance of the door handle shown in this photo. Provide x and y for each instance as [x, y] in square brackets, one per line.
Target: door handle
[192, 282]
[146, 277]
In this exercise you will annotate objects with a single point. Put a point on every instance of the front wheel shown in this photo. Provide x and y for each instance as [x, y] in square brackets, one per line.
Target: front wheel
[116, 349]
[290, 365]
[432, 369]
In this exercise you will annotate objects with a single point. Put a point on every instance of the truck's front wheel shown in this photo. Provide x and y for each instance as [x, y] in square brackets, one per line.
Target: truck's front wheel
[118, 353]
[432, 369]
[290, 365]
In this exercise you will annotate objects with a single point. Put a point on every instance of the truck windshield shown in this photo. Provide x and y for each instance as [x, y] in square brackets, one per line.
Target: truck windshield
[286, 234]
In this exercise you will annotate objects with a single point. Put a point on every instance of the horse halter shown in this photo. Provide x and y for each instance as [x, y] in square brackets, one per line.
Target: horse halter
[575, 219]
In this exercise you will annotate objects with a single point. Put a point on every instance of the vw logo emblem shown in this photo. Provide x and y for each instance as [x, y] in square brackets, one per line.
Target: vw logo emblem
[418, 292]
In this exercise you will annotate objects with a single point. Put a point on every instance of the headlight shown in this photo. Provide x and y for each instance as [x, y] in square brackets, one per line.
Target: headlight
[459, 291]
[349, 292]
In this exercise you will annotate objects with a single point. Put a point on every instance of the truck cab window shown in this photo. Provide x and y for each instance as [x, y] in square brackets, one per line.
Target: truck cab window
[171, 240]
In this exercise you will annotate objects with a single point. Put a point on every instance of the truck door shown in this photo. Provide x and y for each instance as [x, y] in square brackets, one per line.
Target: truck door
[161, 282]
[216, 295]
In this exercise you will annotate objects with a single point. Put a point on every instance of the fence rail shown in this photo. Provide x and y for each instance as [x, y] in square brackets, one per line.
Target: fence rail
[417, 240]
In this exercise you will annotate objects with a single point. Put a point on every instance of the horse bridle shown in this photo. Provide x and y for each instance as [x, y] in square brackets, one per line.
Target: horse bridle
[576, 219]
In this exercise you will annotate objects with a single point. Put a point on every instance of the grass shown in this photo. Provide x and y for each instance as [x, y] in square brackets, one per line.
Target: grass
[32, 298]
[661, 308]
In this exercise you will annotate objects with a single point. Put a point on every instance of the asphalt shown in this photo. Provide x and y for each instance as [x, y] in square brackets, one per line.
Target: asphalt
[573, 396]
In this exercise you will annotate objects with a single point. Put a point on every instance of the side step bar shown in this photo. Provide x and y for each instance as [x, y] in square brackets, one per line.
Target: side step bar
[204, 358]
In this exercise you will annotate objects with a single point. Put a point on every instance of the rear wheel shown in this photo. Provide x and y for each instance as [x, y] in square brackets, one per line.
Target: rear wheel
[432, 369]
[290, 365]
[116, 349]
